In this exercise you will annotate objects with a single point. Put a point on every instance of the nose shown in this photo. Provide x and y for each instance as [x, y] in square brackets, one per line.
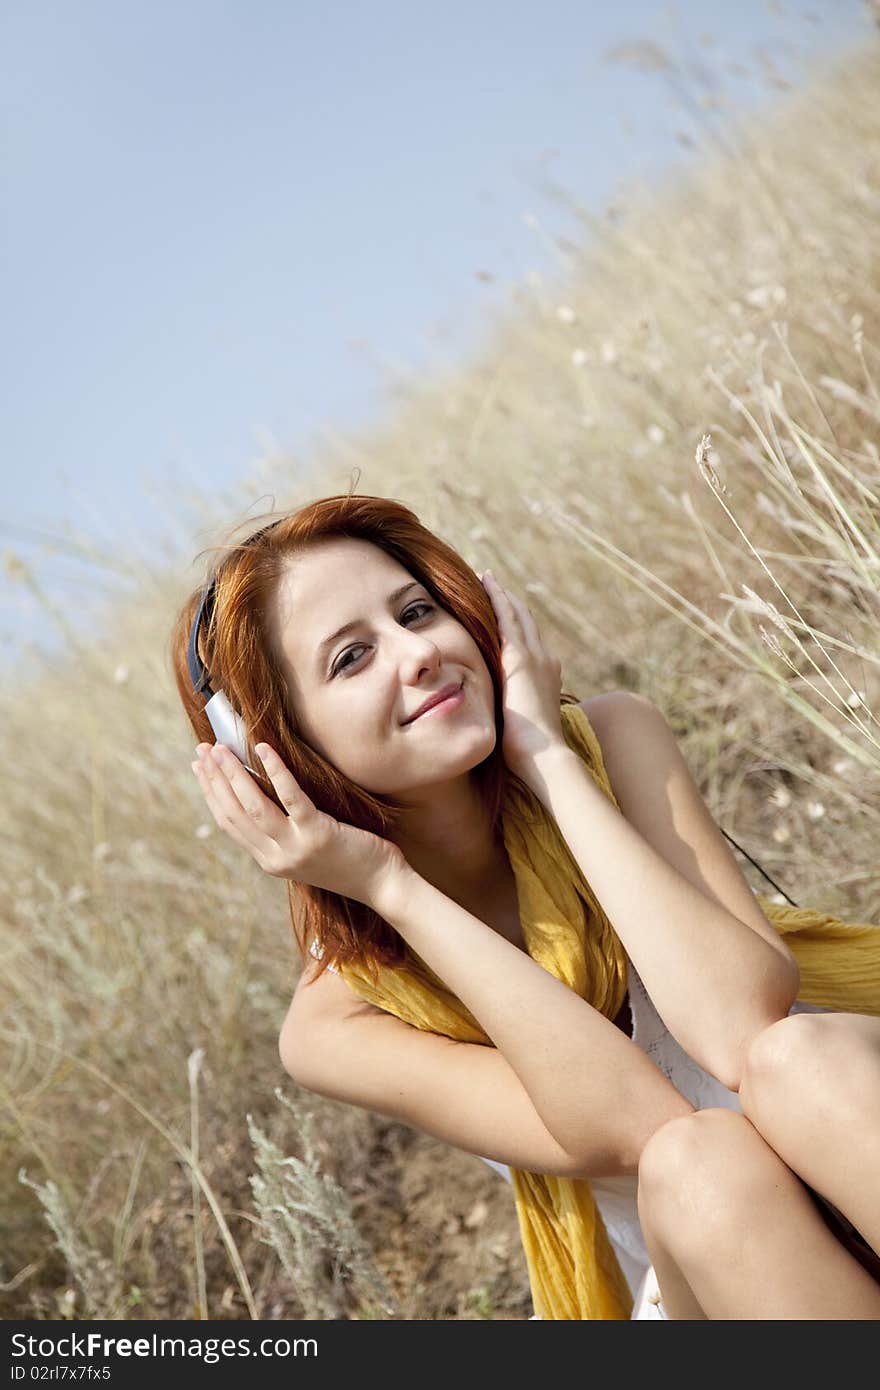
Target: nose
[418, 653]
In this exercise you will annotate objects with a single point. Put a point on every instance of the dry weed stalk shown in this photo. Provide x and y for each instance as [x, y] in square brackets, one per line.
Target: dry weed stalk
[307, 1219]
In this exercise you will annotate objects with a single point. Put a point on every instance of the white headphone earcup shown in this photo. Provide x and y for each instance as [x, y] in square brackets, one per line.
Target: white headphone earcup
[228, 726]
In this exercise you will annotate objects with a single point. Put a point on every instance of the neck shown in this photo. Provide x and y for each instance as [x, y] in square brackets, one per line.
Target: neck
[448, 840]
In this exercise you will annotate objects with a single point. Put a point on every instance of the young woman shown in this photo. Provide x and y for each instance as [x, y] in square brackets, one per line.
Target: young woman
[522, 933]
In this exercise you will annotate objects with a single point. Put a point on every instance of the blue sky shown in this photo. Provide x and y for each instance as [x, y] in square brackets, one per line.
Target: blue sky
[220, 221]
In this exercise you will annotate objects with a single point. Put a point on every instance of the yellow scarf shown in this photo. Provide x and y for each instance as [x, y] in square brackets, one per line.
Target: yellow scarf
[573, 1270]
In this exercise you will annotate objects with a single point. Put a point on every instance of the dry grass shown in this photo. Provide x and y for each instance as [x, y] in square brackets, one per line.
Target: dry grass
[672, 453]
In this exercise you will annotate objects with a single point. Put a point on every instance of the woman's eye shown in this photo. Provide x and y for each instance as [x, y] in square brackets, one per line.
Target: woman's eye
[343, 662]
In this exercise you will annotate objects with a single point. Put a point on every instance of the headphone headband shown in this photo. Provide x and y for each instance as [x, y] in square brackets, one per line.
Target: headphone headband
[198, 672]
[228, 726]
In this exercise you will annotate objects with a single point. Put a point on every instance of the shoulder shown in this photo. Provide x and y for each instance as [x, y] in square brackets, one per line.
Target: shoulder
[632, 734]
[326, 992]
[617, 710]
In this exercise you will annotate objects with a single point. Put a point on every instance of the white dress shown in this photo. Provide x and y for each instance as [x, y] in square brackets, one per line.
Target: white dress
[616, 1197]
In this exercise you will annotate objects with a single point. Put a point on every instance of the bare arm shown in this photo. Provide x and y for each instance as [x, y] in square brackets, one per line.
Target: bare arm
[569, 1075]
[716, 969]
[592, 1090]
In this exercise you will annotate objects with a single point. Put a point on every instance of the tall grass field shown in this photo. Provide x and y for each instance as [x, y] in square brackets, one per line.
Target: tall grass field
[669, 449]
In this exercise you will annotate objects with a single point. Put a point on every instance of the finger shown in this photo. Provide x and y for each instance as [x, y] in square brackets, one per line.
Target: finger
[515, 611]
[239, 810]
[504, 597]
[211, 780]
[206, 779]
[257, 807]
[264, 815]
[290, 793]
[504, 609]
[524, 614]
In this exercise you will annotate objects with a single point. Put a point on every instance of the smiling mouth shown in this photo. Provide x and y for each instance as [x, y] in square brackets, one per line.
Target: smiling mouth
[438, 704]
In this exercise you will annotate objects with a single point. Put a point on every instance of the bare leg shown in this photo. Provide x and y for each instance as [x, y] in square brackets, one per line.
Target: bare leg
[811, 1088]
[733, 1233]
[679, 1300]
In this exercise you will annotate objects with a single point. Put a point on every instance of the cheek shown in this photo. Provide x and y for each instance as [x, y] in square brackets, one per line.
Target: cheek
[483, 677]
[350, 732]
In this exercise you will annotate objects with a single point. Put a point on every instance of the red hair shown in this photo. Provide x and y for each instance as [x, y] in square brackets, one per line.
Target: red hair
[242, 660]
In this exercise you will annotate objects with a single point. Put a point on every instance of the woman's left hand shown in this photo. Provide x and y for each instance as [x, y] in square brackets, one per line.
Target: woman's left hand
[532, 682]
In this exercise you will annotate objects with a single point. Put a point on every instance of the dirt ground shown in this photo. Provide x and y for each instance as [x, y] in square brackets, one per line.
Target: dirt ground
[444, 1228]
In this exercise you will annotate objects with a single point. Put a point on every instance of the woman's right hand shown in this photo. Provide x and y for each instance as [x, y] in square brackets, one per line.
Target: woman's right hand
[305, 845]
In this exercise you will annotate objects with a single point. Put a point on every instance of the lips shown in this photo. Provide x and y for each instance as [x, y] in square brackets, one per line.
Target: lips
[435, 699]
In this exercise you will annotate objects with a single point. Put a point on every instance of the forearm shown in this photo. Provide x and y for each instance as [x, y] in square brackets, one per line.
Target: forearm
[713, 979]
[561, 1048]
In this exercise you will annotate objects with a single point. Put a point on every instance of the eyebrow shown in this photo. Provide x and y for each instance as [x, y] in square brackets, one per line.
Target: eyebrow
[350, 627]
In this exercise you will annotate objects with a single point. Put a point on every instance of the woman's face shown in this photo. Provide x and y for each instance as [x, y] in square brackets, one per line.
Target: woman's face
[353, 693]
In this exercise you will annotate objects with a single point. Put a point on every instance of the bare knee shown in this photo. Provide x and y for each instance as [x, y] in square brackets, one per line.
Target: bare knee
[816, 1054]
[676, 1147]
[787, 1044]
[700, 1172]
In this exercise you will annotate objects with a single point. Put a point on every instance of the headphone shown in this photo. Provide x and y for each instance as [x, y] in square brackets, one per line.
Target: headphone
[229, 726]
